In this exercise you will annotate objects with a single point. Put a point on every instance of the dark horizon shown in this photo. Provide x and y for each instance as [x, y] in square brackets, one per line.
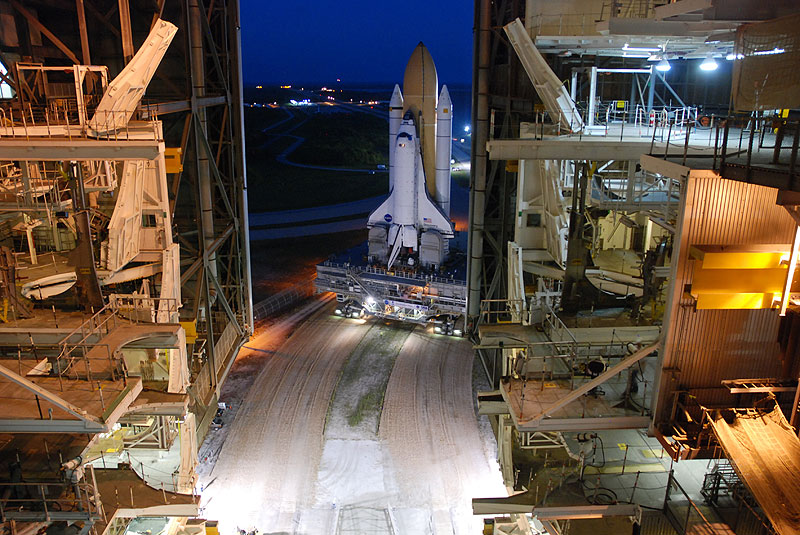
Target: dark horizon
[364, 44]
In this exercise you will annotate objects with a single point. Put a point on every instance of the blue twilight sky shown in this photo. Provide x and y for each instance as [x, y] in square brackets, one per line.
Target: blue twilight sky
[357, 41]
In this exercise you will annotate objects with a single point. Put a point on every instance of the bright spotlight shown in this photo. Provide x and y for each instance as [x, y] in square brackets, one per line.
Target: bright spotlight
[709, 64]
[663, 65]
[370, 301]
[466, 128]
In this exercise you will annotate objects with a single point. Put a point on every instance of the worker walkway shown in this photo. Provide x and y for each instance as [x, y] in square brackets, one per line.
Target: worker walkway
[124, 496]
[90, 390]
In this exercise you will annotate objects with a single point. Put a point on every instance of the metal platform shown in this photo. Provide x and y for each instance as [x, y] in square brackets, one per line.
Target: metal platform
[398, 295]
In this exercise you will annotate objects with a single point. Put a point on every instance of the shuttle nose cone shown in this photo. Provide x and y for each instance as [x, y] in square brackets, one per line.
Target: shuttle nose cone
[444, 99]
[397, 98]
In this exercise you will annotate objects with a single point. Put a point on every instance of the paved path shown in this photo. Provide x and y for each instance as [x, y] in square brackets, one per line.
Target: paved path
[279, 471]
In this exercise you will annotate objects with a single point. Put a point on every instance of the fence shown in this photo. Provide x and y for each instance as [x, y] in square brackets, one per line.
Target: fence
[766, 143]
[105, 125]
[685, 515]
[283, 299]
[495, 311]
[47, 501]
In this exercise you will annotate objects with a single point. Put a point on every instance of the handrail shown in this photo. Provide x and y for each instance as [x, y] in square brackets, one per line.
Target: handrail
[509, 308]
[99, 324]
[47, 494]
[671, 480]
[395, 273]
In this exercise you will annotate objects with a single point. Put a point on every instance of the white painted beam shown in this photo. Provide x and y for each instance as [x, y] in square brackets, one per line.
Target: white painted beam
[681, 7]
[573, 148]
[78, 149]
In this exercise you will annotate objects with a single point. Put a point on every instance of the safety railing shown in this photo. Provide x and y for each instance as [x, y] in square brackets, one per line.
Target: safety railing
[643, 191]
[529, 368]
[747, 145]
[659, 124]
[111, 125]
[283, 299]
[496, 311]
[47, 502]
[144, 309]
[406, 274]
[89, 348]
[723, 489]
[172, 481]
[90, 332]
[685, 515]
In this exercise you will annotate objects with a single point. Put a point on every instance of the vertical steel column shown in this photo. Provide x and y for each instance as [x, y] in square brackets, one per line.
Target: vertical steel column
[197, 60]
[573, 86]
[592, 95]
[85, 56]
[240, 161]
[480, 129]
[125, 29]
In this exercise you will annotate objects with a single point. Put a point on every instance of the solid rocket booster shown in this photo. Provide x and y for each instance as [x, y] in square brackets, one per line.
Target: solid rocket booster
[444, 134]
[395, 116]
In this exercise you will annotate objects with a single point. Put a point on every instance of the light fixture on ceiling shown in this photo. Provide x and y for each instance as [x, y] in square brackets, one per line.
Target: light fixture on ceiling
[709, 64]
[775, 50]
[732, 56]
[628, 48]
[663, 65]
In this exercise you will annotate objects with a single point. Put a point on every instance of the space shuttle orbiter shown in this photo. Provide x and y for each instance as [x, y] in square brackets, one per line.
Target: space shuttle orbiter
[413, 223]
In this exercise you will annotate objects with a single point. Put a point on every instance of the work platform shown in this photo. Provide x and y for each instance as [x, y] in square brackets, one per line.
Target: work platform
[78, 380]
[556, 378]
[609, 410]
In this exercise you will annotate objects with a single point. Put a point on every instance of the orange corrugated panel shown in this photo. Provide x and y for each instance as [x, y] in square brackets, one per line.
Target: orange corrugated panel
[708, 346]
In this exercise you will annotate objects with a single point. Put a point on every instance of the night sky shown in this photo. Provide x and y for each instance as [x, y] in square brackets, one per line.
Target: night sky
[357, 41]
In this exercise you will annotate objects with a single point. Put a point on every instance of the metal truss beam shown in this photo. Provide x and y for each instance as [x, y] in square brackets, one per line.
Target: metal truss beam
[10, 425]
[522, 504]
[164, 108]
[587, 424]
[77, 149]
[51, 397]
[566, 149]
[599, 380]
[33, 21]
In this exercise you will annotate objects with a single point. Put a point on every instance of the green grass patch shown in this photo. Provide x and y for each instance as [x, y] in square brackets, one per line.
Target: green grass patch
[357, 403]
[370, 403]
[336, 140]
[273, 186]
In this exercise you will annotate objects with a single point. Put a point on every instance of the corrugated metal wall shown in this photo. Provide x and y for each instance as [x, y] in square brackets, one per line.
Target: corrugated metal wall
[703, 347]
